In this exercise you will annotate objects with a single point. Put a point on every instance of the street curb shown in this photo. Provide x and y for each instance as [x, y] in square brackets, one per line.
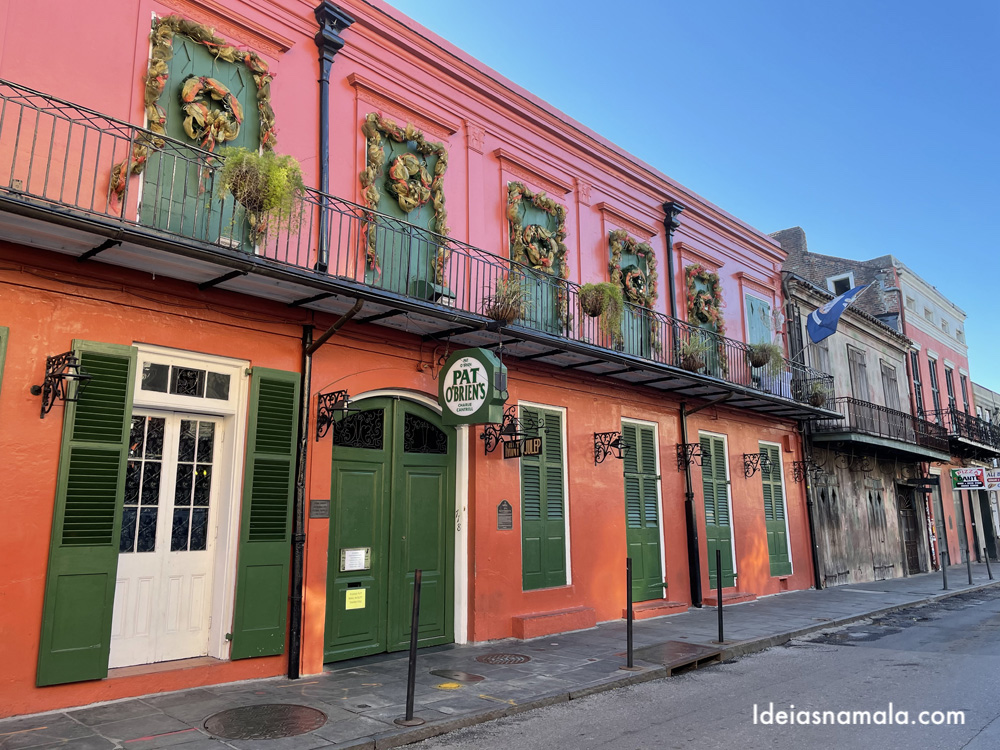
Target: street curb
[394, 738]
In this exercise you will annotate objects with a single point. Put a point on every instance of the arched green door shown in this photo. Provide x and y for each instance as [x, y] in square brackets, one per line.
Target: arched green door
[392, 512]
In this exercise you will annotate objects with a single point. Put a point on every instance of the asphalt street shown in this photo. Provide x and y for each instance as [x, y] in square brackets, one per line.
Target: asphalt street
[937, 658]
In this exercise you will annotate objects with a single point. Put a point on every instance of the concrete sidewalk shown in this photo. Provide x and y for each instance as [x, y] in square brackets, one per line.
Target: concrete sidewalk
[362, 697]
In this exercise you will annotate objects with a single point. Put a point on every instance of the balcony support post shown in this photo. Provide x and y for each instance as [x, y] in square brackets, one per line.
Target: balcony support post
[672, 210]
[691, 523]
[332, 21]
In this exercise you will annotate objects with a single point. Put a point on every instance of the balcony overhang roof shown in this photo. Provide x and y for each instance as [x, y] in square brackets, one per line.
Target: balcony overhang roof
[882, 446]
[81, 235]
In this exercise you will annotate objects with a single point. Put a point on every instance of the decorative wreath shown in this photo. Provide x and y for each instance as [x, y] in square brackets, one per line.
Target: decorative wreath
[204, 124]
[409, 181]
[704, 306]
[528, 243]
[157, 73]
[639, 287]
[375, 129]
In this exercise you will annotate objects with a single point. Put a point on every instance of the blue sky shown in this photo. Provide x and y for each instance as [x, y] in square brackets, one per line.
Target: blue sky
[874, 125]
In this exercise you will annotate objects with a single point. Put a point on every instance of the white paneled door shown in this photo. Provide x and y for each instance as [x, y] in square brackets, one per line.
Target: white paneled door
[163, 593]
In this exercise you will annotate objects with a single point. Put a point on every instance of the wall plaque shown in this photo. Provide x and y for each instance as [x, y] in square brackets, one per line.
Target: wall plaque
[356, 558]
[505, 516]
[319, 508]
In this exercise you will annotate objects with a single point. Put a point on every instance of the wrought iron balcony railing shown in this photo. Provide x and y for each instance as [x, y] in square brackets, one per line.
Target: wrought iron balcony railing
[961, 425]
[62, 156]
[881, 421]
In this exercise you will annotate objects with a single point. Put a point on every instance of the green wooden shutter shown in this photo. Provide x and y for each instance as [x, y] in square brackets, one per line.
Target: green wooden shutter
[718, 527]
[543, 520]
[642, 512]
[774, 513]
[758, 320]
[4, 335]
[86, 523]
[266, 526]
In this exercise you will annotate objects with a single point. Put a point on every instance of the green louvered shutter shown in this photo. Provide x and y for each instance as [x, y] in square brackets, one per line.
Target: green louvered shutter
[642, 517]
[543, 520]
[718, 528]
[83, 552]
[774, 513]
[266, 526]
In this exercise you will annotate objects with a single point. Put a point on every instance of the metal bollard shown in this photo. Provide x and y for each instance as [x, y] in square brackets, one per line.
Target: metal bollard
[411, 677]
[968, 563]
[629, 666]
[944, 568]
[986, 557]
[718, 591]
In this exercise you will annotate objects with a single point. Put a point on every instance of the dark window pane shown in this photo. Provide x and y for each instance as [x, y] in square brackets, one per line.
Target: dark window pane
[206, 441]
[154, 437]
[199, 528]
[420, 436]
[154, 377]
[185, 480]
[136, 437]
[361, 430]
[179, 532]
[185, 451]
[151, 483]
[127, 542]
[187, 382]
[218, 386]
[147, 530]
[133, 477]
[202, 484]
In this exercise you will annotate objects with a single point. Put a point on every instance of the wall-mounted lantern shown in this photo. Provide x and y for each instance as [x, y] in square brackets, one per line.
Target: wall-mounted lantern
[64, 380]
[754, 462]
[691, 453]
[609, 444]
[330, 406]
[511, 430]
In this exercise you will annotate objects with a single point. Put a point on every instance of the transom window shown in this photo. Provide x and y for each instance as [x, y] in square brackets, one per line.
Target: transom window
[185, 381]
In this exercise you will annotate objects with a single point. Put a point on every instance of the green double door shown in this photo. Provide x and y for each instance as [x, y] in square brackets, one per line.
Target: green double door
[642, 516]
[718, 525]
[392, 512]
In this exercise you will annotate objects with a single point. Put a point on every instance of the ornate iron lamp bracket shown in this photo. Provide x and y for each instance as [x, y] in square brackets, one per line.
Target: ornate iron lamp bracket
[329, 407]
[690, 453]
[800, 469]
[511, 429]
[754, 462]
[61, 371]
[609, 444]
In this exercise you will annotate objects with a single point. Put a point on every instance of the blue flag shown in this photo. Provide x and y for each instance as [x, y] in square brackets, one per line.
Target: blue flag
[823, 322]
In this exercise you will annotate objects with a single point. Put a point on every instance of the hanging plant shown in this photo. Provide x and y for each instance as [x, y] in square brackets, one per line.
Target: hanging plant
[605, 301]
[268, 186]
[509, 301]
[409, 181]
[206, 125]
[767, 354]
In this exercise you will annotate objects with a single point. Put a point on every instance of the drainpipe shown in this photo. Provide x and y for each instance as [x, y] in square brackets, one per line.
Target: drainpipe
[332, 21]
[672, 210]
[806, 433]
[309, 347]
[690, 518]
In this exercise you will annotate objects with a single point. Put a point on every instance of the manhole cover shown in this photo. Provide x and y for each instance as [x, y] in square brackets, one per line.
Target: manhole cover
[503, 658]
[454, 674]
[269, 721]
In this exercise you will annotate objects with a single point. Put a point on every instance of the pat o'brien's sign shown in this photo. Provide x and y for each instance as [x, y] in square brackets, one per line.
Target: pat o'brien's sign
[472, 388]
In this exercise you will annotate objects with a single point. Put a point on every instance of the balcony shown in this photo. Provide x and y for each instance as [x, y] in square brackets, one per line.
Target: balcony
[970, 436]
[881, 430]
[56, 166]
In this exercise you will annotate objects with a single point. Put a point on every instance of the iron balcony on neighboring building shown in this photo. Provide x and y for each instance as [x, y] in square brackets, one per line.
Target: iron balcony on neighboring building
[970, 436]
[56, 165]
[883, 431]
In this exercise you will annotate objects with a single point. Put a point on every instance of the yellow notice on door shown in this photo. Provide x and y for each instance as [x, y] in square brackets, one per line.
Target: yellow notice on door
[355, 599]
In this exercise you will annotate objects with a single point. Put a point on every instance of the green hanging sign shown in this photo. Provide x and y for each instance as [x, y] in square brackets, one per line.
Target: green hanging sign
[472, 388]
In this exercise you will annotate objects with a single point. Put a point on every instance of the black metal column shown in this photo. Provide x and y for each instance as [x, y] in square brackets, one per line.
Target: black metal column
[332, 21]
[691, 522]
